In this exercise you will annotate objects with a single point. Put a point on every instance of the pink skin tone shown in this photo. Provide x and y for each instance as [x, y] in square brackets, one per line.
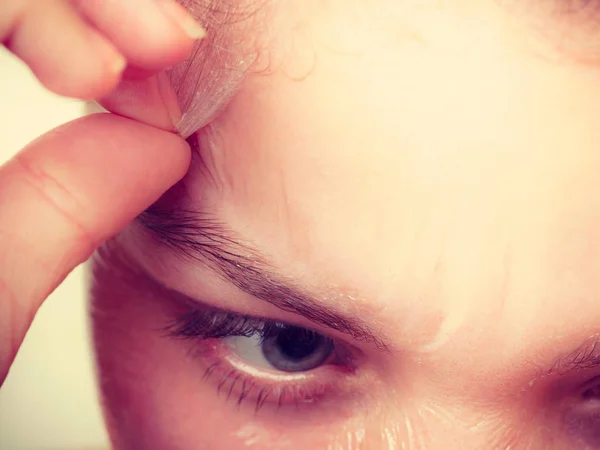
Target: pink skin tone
[428, 166]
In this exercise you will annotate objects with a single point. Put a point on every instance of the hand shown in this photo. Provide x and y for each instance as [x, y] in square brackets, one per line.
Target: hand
[78, 185]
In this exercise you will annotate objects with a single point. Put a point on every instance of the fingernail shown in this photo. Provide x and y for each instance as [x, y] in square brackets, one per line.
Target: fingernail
[118, 64]
[115, 62]
[181, 17]
[169, 98]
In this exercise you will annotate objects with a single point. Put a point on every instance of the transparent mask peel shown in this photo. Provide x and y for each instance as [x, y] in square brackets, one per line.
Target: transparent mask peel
[210, 77]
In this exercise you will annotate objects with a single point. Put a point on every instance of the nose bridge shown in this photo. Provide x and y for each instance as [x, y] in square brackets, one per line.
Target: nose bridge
[436, 434]
[439, 421]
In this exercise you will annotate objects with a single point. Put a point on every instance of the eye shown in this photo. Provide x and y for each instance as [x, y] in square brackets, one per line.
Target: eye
[592, 393]
[583, 416]
[265, 362]
[286, 348]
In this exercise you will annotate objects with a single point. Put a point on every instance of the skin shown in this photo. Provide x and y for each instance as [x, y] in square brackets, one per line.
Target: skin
[430, 170]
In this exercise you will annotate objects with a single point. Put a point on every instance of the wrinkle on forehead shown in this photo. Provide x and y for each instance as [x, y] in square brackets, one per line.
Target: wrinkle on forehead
[209, 78]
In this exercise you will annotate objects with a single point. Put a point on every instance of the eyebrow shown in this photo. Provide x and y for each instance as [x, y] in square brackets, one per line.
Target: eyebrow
[201, 237]
[584, 357]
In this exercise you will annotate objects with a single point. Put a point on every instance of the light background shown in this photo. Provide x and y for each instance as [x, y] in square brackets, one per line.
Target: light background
[49, 400]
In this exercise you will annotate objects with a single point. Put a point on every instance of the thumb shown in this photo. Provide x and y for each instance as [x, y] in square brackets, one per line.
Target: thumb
[62, 196]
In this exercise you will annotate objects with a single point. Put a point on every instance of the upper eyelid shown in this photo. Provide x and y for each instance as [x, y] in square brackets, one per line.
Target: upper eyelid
[193, 323]
[202, 238]
[181, 303]
[584, 357]
[203, 322]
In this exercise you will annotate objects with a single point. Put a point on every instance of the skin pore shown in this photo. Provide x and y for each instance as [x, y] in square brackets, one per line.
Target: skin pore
[414, 180]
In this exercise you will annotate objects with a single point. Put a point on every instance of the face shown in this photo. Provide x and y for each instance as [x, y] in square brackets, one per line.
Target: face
[388, 238]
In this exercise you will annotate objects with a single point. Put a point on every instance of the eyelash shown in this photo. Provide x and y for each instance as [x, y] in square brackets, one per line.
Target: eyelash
[202, 324]
[207, 327]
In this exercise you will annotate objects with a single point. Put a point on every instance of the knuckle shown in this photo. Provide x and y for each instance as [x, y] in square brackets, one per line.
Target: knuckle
[60, 200]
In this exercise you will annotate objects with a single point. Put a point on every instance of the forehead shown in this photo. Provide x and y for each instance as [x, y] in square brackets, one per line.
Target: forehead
[437, 171]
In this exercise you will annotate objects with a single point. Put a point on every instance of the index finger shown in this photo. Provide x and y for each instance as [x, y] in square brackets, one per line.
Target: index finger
[151, 34]
[82, 52]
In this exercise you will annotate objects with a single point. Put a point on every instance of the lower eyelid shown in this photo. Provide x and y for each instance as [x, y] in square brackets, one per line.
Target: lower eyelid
[258, 390]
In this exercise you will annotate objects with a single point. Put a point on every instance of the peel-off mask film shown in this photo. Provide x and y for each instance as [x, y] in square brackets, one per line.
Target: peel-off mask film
[208, 79]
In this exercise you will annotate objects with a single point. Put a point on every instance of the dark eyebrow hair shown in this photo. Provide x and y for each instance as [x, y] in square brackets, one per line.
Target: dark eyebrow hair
[201, 237]
[585, 357]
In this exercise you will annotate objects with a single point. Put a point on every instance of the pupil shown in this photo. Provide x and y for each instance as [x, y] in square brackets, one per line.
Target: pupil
[298, 343]
[296, 349]
[593, 393]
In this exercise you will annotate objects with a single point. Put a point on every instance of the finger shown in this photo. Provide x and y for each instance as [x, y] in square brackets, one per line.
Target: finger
[67, 55]
[151, 34]
[152, 101]
[63, 195]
